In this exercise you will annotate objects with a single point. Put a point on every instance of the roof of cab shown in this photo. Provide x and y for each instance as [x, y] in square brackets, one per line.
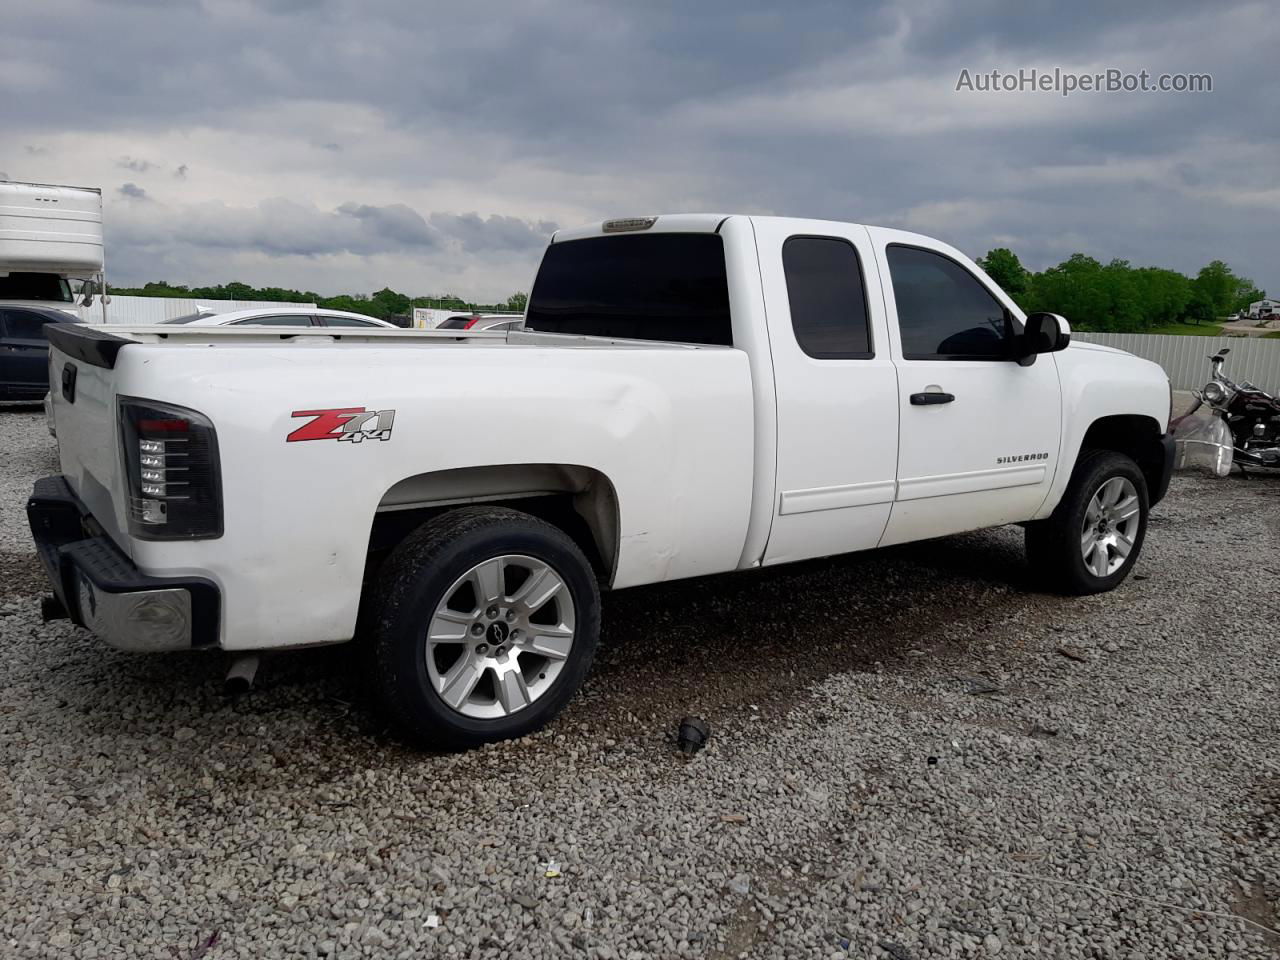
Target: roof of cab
[664, 223]
[712, 222]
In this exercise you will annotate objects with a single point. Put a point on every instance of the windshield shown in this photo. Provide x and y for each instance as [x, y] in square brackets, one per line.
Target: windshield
[35, 286]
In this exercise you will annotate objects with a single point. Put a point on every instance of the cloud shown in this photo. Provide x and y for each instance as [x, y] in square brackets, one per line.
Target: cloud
[396, 224]
[134, 164]
[495, 232]
[132, 191]
[429, 145]
[279, 227]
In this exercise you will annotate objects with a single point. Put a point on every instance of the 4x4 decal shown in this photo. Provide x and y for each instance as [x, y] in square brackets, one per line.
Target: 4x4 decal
[353, 424]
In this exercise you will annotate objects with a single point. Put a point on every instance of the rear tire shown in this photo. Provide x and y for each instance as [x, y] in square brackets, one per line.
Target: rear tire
[1095, 535]
[486, 622]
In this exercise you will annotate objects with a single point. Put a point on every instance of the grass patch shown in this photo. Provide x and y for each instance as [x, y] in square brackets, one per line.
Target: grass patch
[1188, 330]
[1271, 336]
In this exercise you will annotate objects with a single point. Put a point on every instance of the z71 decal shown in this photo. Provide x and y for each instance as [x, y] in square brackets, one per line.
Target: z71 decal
[353, 424]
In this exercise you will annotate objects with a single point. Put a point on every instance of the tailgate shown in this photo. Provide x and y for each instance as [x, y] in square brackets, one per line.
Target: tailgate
[82, 392]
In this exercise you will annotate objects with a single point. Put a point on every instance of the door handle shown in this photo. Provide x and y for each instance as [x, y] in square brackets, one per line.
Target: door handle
[931, 397]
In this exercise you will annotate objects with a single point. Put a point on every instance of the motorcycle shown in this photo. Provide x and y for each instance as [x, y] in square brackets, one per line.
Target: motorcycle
[1243, 426]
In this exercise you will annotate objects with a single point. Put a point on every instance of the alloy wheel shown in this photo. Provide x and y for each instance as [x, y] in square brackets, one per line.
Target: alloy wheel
[1111, 524]
[500, 636]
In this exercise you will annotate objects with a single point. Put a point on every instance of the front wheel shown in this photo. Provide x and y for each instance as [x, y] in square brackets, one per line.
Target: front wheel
[1095, 535]
[487, 621]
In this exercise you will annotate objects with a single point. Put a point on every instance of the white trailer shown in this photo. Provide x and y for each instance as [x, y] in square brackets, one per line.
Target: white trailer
[51, 250]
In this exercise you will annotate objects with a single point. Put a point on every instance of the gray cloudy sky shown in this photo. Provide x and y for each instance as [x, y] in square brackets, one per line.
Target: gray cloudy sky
[338, 145]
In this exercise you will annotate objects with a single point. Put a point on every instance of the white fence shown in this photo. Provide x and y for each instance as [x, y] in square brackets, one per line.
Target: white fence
[1185, 359]
[141, 310]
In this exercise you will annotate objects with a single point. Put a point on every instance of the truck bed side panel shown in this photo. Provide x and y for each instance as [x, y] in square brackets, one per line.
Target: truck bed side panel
[671, 428]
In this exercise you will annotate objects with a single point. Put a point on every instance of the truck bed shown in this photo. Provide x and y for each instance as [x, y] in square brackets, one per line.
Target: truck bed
[668, 428]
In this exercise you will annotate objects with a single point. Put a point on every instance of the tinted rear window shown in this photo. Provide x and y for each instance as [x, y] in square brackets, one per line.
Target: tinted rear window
[828, 306]
[659, 286]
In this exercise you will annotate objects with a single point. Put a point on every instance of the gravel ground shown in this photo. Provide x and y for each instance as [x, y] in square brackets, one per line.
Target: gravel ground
[912, 756]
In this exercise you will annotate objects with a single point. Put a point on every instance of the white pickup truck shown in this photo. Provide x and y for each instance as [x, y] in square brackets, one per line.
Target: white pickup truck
[693, 395]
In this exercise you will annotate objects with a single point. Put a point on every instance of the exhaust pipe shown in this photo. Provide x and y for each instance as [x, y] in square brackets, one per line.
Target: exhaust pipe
[240, 676]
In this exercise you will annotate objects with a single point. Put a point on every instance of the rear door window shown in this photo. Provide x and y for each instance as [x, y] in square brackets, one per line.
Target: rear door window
[827, 298]
[659, 286]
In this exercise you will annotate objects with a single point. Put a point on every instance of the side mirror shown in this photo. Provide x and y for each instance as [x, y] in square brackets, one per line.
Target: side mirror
[88, 290]
[1043, 333]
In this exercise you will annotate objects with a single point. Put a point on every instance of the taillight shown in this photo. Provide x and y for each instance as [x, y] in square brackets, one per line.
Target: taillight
[471, 323]
[171, 464]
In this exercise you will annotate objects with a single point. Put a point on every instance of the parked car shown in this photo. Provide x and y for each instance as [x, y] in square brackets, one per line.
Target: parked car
[694, 395]
[486, 321]
[280, 317]
[24, 350]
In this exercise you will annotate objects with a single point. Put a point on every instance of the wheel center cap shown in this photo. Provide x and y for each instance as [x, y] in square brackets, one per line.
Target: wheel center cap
[498, 632]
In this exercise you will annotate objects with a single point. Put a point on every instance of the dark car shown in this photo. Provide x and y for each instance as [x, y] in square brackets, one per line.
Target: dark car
[24, 350]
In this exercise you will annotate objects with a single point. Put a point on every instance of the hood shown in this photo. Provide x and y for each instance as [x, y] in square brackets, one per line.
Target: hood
[1096, 348]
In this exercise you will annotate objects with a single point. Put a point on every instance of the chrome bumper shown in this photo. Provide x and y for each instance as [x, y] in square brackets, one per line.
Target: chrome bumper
[143, 620]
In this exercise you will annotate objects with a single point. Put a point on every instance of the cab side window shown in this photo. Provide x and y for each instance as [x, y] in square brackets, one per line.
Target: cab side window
[827, 298]
[944, 311]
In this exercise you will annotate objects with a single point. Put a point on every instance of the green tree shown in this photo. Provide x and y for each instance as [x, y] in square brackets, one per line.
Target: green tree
[517, 302]
[1074, 288]
[1200, 306]
[387, 303]
[1003, 266]
[356, 304]
[1246, 297]
[1217, 286]
[1163, 295]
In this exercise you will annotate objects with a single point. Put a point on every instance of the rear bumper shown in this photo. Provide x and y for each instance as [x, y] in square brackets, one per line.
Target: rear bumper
[102, 590]
[1168, 450]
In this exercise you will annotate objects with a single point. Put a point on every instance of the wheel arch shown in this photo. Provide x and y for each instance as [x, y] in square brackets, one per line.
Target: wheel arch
[580, 500]
[1137, 436]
